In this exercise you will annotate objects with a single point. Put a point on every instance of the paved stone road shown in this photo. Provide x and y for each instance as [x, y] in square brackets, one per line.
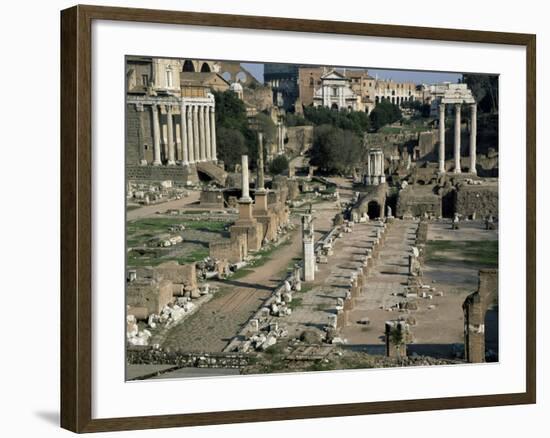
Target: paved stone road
[389, 275]
[217, 321]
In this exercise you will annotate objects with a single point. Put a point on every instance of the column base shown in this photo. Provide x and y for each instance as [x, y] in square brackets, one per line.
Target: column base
[157, 163]
[171, 163]
[185, 163]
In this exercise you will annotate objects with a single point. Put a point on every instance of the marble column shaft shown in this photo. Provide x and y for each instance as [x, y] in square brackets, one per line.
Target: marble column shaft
[207, 133]
[213, 133]
[260, 184]
[458, 107]
[473, 138]
[442, 138]
[244, 179]
[170, 127]
[190, 134]
[156, 136]
[196, 141]
[184, 142]
[202, 135]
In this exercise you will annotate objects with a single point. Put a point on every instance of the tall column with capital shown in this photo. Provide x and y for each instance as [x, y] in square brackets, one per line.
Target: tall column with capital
[184, 132]
[213, 133]
[458, 107]
[207, 137]
[202, 133]
[473, 138]
[442, 138]
[171, 149]
[190, 134]
[196, 141]
[156, 136]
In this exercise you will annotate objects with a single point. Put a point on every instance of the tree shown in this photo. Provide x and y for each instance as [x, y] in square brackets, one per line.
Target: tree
[356, 121]
[279, 165]
[231, 145]
[335, 150]
[384, 114]
[231, 119]
[484, 89]
[267, 127]
[293, 119]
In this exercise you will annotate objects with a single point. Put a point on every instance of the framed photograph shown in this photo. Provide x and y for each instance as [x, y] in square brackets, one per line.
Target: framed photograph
[269, 219]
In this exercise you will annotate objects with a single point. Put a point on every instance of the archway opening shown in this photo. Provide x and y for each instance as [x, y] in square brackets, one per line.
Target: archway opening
[448, 204]
[334, 107]
[188, 66]
[205, 68]
[373, 209]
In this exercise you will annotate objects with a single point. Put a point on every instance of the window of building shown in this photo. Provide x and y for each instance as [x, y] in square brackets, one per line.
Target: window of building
[335, 91]
[311, 82]
[145, 80]
[169, 78]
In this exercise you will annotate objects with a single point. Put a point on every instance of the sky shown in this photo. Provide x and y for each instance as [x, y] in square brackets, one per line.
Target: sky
[419, 77]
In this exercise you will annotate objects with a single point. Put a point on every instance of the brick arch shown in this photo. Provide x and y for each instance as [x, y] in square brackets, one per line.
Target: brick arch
[475, 307]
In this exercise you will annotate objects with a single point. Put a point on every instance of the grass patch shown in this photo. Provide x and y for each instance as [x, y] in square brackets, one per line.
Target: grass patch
[157, 225]
[295, 303]
[241, 273]
[471, 252]
[305, 288]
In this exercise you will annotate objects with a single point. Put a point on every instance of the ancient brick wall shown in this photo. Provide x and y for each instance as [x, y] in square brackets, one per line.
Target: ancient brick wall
[300, 138]
[151, 294]
[177, 174]
[148, 355]
[411, 203]
[233, 250]
[139, 135]
[479, 200]
[212, 199]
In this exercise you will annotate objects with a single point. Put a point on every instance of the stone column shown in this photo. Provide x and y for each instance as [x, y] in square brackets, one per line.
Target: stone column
[196, 141]
[442, 138]
[190, 135]
[202, 132]
[308, 248]
[207, 133]
[170, 127]
[244, 180]
[156, 136]
[473, 138]
[213, 133]
[183, 127]
[458, 107]
[260, 184]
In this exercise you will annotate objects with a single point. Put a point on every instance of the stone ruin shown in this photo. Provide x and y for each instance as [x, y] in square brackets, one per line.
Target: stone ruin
[475, 307]
[397, 335]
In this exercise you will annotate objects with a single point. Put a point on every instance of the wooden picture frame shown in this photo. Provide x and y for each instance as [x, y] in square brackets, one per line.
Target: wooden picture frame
[76, 217]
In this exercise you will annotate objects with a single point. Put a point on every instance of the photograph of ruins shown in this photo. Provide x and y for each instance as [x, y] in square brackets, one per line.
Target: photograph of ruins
[292, 218]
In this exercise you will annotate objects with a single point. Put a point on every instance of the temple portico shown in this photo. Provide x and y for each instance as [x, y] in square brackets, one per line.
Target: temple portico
[375, 168]
[183, 130]
[457, 95]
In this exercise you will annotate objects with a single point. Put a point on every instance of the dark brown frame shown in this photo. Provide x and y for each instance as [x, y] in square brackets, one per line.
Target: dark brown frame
[76, 174]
